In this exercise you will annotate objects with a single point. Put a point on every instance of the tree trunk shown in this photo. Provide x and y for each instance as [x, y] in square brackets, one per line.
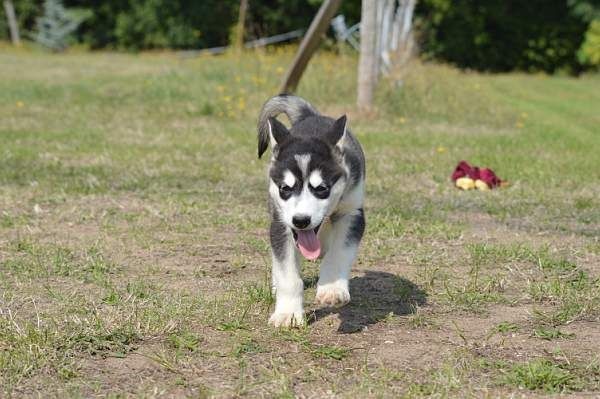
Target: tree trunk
[367, 64]
[12, 22]
[239, 30]
[404, 43]
[387, 17]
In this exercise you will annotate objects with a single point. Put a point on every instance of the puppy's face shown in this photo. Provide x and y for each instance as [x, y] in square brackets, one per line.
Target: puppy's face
[307, 177]
[305, 188]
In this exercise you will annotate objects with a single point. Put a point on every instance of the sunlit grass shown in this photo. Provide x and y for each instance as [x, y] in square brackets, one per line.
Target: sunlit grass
[133, 226]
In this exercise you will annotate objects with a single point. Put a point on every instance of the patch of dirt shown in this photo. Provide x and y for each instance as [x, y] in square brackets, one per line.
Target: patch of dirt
[375, 327]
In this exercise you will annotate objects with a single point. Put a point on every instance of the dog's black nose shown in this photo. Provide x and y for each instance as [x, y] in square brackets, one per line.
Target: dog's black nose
[301, 221]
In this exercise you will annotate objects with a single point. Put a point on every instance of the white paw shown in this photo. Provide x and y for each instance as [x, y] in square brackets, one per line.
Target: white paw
[295, 319]
[333, 295]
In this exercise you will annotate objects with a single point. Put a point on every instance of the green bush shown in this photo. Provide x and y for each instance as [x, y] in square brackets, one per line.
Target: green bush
[269, 17]
[147, 24]
[590, 49]
[155, 24]
[535, 35]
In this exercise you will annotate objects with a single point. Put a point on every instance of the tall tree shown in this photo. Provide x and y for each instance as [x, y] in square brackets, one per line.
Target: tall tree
[367, 63]
[12, 22]
[56, 26]
[239, 30]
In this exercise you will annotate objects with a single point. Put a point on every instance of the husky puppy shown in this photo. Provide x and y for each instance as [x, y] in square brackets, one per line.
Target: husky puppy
[316, 190]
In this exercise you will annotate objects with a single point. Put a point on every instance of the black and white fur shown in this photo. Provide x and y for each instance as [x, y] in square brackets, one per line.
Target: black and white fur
[316, 181]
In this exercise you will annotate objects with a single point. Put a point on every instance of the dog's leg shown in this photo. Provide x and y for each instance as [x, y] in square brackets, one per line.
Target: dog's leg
[346, 233]
[287, 282]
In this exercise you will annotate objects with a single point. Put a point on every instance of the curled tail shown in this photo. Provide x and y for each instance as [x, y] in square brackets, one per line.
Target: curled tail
[294, 107]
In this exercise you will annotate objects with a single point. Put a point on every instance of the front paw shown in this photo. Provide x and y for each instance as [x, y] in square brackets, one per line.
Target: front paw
[332, 295]
[280, 319]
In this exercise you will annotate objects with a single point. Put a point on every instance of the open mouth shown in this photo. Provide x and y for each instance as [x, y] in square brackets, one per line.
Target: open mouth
[307, 242]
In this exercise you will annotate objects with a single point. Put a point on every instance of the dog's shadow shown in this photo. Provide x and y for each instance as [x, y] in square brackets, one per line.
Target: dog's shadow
[375, 296]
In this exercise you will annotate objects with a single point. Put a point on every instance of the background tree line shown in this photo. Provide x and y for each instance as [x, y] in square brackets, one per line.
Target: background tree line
[489, 35]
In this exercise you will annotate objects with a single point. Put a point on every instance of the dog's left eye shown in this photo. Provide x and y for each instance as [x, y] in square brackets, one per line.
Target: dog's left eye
[321, 191]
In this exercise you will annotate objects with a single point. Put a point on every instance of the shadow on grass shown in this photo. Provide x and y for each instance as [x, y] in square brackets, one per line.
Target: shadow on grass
[374, 296]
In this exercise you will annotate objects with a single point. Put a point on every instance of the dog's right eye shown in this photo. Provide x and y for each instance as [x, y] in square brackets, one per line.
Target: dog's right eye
[285, 192]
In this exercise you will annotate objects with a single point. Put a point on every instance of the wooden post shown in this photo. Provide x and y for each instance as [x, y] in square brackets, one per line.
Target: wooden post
[309, 45]
[12, 22]
[239, 30]
[367, 63]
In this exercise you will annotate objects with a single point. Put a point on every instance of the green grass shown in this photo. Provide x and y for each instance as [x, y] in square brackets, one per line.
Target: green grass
[543, 375]
[184, 341]
[506, 327]
[134, 257]
[331, 352]
[551, 333]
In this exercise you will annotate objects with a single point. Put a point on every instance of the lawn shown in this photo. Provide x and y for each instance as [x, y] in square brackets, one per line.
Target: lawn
[134, 258]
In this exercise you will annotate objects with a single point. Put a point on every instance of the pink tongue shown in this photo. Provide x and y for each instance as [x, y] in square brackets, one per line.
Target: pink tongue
[309, 244]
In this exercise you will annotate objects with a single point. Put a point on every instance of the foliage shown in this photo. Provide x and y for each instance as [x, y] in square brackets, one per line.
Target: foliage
[539, 35]
[278, 16]
[155, 23]
[590, 49]
[144, 24]
[587, 10]
[502, 35]
[147, 24]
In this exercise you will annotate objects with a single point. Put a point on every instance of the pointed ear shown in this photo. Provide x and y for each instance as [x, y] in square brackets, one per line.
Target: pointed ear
[276, 131]
[335, 136]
